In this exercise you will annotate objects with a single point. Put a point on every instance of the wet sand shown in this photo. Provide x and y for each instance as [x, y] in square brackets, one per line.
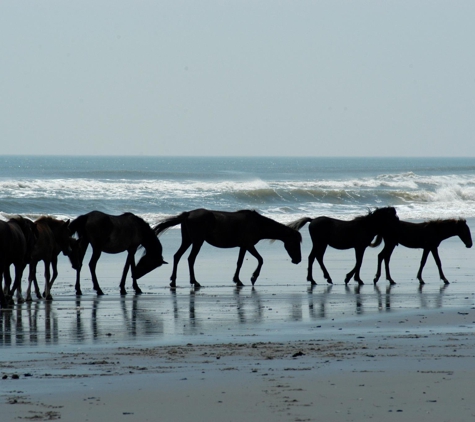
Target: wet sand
[280, 351]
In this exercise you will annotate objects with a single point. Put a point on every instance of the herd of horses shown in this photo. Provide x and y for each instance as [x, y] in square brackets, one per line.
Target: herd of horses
[24, 242]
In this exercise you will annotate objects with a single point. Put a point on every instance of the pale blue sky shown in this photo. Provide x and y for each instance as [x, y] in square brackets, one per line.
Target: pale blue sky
[260, 77]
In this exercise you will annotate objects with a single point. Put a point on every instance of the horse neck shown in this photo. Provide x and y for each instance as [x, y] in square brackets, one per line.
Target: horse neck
[271, 229]
[447, 229]
[150, 241]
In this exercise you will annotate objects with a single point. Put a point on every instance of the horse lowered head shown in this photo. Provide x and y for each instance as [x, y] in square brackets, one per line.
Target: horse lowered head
[464, 233]
[148, 262]
[292, 246]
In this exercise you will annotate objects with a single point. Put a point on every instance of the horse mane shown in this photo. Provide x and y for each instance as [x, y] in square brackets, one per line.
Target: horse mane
[51, 221]
[147, 231]
[440, 221]
[292, 226]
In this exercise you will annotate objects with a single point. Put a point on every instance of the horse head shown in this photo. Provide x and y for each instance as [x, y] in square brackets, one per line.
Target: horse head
[147, 263]
[463, 232]
[385, 219]
[74, 254]
[64, 238]
[292, 246]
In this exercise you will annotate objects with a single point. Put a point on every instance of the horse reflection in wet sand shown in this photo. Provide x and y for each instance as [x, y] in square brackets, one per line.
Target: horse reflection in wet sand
[242, 229]
[427, 236]
[357, 233]
[116, 234]
[17, 239]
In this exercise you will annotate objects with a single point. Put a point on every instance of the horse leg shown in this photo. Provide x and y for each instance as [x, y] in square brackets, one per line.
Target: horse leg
[435, 254]
[381, 256]
[242, 252]
[319, 255]
[384, 255]
[47, 294]
[386, 266]
[185, 244]
[425, 254]
[8, 281]
[135, 285]
[3, 299]
[49, 285]
[252, 250]
[359, 252]
[32, 280]
[96, 254]
[311, 258]
[17, 283]
[81, 252]
[77, 286]
[130, 256]
[191, 262]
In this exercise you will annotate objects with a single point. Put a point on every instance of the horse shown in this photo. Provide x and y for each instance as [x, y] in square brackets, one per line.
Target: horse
[17, 239]
[222, 229]
[53, 238]
[114, 234]
[357, 233]
[426, 236]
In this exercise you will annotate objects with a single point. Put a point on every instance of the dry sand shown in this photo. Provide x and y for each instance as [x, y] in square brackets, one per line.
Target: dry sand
[279, 352]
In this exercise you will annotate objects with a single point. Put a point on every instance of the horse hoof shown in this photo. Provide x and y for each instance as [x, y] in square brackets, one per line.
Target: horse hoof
[138, 292]
[329, 281]
[392, 283]
[78, 293]
[100, 292]
[123, 292]
[446, 282]
[196, 284]
[49, 298]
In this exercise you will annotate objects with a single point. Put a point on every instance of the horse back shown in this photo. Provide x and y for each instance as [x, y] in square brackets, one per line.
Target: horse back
[223, 229]
[340, 234]
[45, 243]
[427, 234]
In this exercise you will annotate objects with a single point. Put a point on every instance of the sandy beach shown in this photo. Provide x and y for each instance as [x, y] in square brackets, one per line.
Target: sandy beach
[280, 351]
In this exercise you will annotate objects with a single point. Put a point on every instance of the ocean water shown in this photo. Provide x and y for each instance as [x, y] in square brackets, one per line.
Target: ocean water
[281, 188]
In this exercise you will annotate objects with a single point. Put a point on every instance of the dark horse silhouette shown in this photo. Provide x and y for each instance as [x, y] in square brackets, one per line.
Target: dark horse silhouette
[53, 238]
[427, 236]
[242, 229]
[357, 233]
[115, 234]
[17, 239]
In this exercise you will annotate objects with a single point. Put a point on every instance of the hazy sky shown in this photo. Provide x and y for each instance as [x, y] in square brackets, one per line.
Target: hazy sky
[257, 77]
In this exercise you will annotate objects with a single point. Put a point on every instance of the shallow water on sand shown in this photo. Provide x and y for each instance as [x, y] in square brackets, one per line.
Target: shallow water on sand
[281, 306]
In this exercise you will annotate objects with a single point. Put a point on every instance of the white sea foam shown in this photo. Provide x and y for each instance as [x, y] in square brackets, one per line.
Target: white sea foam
[415, 196]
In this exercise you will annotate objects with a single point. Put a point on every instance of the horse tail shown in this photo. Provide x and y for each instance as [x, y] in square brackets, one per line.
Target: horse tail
[78, 225]
[164, 225]
[376, 242]
[298, 224]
